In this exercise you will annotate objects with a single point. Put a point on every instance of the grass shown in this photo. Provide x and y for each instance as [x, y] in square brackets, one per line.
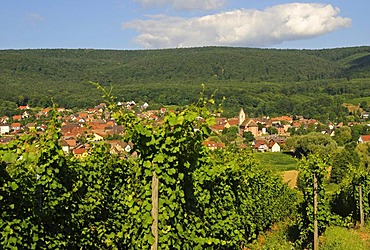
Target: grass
[276, 161]
[357, 101]
[172, 107]
[340, 238]
[334, 238]
[276, 239]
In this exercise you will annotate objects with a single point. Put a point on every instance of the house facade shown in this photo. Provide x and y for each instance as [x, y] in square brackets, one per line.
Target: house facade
[15, 126]
[274, 147]
[4, 129]
[212, 145]
[260, 145]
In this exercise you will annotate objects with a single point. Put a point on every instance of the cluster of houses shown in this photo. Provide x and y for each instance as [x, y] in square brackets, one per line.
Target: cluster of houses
[94, 124]
[259, 127]
[79, 129]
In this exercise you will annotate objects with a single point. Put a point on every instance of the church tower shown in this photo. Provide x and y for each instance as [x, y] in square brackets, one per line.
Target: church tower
[241, 117]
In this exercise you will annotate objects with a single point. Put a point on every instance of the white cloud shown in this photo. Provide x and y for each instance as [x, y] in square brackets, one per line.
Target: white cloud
[34, 17]
[185, 4]
[244, 27]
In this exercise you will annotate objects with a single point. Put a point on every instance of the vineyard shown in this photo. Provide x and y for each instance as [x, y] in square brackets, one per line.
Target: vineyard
[202, 200]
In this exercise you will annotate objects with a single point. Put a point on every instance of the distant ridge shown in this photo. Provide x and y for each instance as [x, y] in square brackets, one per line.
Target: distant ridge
[38, 74]
[242, 64]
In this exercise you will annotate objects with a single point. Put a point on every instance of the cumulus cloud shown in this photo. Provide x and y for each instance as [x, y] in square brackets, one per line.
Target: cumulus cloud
[185, 5]
[243, 27]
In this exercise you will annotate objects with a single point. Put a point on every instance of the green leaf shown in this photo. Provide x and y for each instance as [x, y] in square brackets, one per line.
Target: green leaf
[150, 239]
[14, 186]
[180, 120]
[35, 238]
[171, 171]
[191, 116]
[181, 176]
[172, 120]
[147, 164]
[9, 157]
[159, 158]
[179, 228]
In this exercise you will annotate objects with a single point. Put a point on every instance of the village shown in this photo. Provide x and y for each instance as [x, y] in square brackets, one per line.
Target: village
[81, 128]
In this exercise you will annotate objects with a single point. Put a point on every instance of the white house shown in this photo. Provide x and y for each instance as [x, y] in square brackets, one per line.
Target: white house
[65, 147]
[260, 145]
[275, 147]
[364, 139]
[365, 115]
[97, 137]
[4, 129]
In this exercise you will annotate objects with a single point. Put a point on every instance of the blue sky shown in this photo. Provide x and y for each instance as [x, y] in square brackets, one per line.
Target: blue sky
[145, 24]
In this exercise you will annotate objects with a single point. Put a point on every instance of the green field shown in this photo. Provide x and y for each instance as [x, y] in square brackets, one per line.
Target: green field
[276, 161]
[335, 237]
[357, 101]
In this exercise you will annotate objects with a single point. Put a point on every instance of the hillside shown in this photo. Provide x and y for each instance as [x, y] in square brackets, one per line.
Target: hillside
[247, 77]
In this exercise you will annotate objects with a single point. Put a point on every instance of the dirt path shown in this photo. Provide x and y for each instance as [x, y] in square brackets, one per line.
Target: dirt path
[291, 178]
[364, 234]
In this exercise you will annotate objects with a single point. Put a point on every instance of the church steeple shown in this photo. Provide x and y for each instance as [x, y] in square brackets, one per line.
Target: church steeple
[241, 117]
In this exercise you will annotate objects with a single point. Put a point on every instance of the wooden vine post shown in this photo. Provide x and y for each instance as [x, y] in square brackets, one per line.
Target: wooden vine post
[362, 220]
[155, 211]
[316, 230]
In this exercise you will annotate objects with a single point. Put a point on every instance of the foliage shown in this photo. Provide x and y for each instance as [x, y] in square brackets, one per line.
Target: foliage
[312, 143]
[248, 136]
[243, 197]
[8, 108]
[351, 171]
[343, 160]
[313, 166]
[343, 135]
[37, 193]
[272, 130]
[230, 133]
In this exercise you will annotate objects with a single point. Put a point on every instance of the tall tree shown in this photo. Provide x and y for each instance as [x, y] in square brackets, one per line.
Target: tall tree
[312, 143]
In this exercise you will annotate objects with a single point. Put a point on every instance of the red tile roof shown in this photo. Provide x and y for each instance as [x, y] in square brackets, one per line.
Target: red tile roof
[365, 138]
[16, 124]
[79, 151]
[217, 127]
[24, 107]
[233, 121]
[17, 117]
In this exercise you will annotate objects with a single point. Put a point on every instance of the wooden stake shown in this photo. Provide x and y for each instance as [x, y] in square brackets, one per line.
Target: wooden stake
[155, 211]
[316, 231]
[362, 223]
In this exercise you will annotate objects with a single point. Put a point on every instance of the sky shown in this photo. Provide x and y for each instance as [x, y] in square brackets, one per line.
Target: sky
[157, 24]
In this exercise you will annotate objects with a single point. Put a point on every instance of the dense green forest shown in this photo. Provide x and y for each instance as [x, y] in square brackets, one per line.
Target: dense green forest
[313, 83]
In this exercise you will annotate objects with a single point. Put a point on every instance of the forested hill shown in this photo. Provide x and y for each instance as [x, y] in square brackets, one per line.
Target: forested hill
[242, 64]
[34, 76]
